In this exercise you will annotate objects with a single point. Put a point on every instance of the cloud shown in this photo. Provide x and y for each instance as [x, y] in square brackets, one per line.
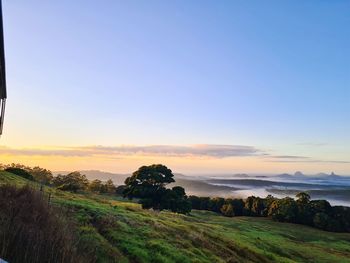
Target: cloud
[312, 144]
[195, 151]
[299, 159]
[290, 157]
[308, 160]
[201, 150]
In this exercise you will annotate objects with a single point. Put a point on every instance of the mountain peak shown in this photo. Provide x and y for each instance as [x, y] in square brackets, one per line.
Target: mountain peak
[299, 174]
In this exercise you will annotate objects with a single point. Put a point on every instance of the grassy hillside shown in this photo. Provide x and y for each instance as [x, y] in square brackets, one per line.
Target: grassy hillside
[114, 230]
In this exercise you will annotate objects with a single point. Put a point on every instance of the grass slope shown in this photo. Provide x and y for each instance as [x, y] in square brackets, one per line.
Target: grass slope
[114, 230]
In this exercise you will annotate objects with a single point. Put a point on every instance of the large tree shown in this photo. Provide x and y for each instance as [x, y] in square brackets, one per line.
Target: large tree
[148, 183]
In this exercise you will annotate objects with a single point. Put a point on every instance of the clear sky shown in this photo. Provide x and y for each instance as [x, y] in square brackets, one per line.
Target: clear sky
[201, 86]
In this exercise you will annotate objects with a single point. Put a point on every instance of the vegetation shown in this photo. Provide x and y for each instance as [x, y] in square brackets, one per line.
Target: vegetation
[21, 172]
[316, 213]
[30, 231]
[112, 230]
[36, 173]
[99, 187]
[73, 182]
[148, 183]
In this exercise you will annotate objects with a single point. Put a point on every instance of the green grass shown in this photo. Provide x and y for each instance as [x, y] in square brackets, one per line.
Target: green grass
[120, 231]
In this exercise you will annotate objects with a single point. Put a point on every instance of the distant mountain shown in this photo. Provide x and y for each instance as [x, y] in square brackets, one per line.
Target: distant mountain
[321, 175]
[241, 175]
[300, 175]
[333, 175]
[285, 176]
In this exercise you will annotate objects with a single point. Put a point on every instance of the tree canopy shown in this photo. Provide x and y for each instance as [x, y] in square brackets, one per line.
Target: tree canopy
[149, 184]
[73, 182]
[20, 172]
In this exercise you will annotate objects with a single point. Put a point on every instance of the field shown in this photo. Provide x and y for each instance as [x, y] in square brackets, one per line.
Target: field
[115, 230]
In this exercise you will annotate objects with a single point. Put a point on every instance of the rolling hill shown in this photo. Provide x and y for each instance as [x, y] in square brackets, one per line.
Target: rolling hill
[111, 229]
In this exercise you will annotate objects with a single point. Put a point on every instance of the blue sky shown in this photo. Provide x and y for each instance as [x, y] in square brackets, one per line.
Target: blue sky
[270, 75]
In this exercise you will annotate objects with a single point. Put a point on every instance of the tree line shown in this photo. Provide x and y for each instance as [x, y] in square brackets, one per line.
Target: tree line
[302, 210]
[73, 182]
[149, 185]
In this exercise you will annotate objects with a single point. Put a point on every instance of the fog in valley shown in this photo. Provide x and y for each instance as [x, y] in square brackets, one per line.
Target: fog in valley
[331, 187]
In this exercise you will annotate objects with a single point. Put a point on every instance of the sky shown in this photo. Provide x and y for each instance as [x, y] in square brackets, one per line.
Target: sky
[200, 86]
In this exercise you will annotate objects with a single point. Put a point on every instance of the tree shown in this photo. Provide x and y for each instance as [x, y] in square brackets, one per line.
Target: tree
[95, 185]
[284, 210]
[215, 204]
[73, 182]
[204, 203]
[340, 219]
[119, 190]
[303, 198]
[110, 187]
[41, 175]
[267, 202]
[253, 206]
[175, 200]
[238, 205]
[321, 220]
[258, 206]
[37, 173]
[195, 201]
[148, 183]
[103, 189]
[320, 206]
[227, 210]
[305, 213]
[20, 172]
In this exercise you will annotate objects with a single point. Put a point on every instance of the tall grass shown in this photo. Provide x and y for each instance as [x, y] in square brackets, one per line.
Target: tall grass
[31, 231]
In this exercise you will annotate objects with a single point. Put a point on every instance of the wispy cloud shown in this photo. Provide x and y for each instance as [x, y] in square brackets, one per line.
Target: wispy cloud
[199, 151]
[289, 157]
[202, 150]
[299, 159]
[306, 160]
[312, 144]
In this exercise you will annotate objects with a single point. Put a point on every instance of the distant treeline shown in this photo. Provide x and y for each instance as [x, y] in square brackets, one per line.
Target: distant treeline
[73, 182]
[315, 213]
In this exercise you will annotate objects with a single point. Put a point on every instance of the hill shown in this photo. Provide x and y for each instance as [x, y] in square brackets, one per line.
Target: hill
[114, 230]
[117, 179]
